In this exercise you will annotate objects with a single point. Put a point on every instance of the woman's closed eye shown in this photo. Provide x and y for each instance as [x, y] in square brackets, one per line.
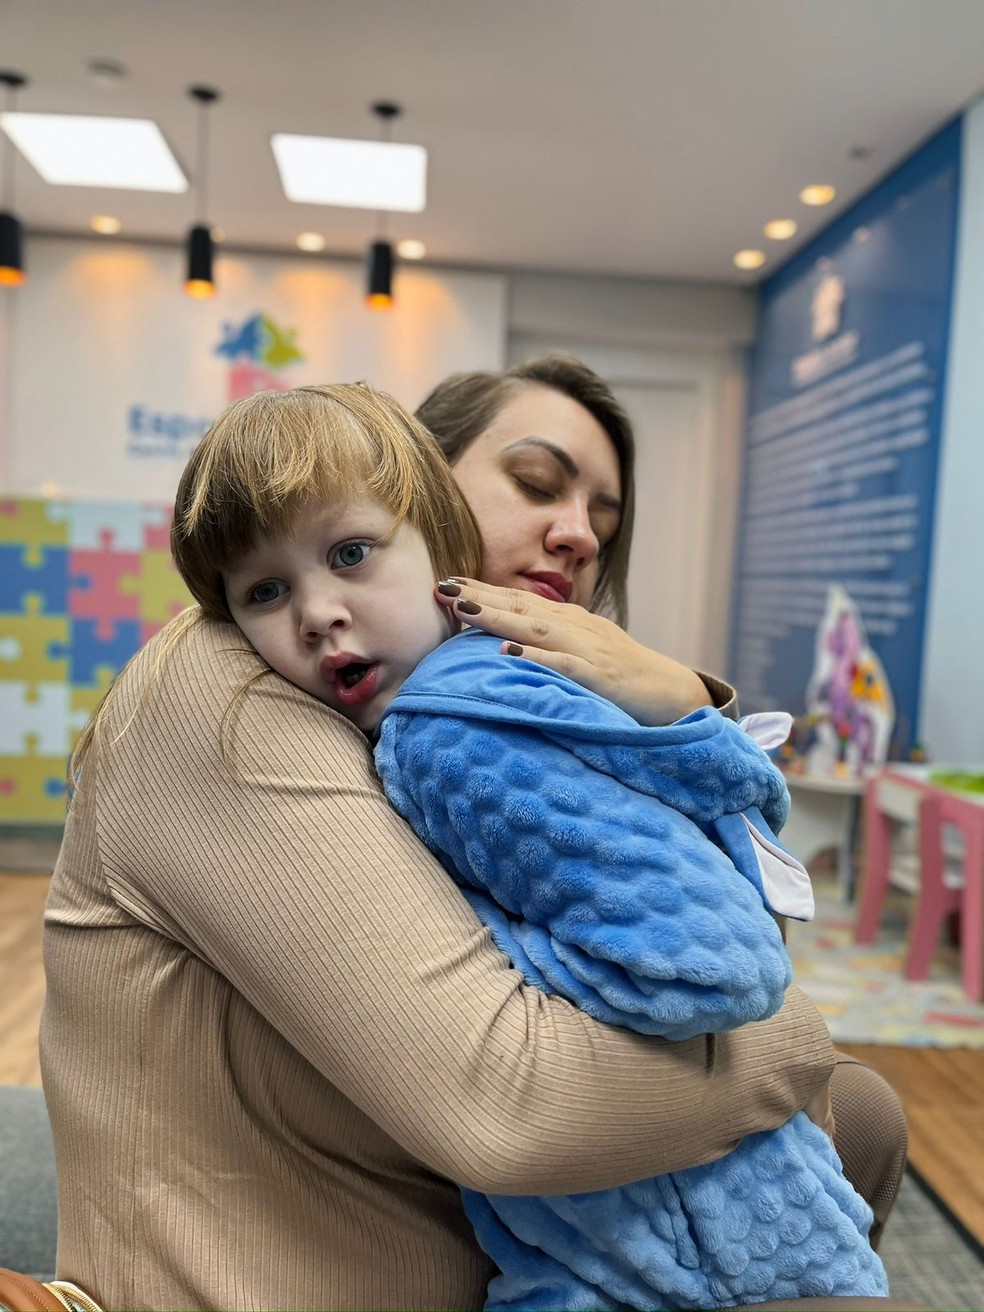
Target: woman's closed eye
[535, 491]
[350, 554]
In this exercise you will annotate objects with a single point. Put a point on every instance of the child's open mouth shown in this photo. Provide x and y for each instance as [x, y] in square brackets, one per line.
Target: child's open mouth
[350, 675]
[355, 683]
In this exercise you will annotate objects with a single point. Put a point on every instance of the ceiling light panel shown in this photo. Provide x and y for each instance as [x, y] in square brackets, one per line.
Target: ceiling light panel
[369, 175]
[74, 150]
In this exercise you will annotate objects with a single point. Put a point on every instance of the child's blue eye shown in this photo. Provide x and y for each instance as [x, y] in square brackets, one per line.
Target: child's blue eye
[267, 591]
[350, 554]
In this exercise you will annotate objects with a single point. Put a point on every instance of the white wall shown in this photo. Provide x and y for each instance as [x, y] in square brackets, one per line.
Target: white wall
[952, 710]
[112, 371]
[674, 354]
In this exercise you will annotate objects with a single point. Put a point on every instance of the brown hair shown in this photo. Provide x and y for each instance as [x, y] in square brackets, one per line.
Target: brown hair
[465, 405]
[270, 454]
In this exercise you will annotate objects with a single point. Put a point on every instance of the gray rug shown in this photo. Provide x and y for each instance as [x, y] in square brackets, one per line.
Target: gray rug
[929, 1260]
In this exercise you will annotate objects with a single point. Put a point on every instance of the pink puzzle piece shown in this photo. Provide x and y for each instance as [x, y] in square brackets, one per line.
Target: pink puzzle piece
[104, 585]
[157, 528]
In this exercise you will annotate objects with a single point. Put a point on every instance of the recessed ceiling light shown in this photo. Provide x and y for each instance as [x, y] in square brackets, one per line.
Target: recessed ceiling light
[107, 224]
[370, 175]
[77, 150]
[817, 194]
[310, 241]
[411, 249]
[780, 229]
[749, 259]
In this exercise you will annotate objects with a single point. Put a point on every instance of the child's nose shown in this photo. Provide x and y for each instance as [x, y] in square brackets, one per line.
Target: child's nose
[319, 615]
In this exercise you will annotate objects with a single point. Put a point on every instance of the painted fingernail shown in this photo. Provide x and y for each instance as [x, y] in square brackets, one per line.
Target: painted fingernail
[449, 589]
[469, 607]
[513, 649]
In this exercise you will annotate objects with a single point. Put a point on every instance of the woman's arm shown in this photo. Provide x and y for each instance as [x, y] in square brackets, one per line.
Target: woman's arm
[289, 873]
[591, 650]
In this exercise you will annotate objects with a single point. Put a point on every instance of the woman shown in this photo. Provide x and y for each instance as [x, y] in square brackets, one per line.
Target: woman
[275, 1034]
[506, 434]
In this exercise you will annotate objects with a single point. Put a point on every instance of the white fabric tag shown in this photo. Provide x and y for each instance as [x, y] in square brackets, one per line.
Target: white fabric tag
[768, 728]
[785, 883]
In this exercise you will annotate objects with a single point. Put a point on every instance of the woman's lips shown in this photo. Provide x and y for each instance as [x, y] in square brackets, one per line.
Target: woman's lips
[555, 587]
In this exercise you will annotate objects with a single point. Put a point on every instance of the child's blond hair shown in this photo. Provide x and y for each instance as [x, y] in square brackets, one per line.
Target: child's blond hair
[269, 455]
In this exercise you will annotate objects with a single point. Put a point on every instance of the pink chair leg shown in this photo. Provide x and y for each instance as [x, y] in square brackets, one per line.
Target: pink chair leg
[877, 862]
[972, 911]
[932, 902]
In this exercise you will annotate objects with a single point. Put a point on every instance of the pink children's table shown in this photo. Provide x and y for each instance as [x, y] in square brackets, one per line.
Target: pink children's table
[907, 793]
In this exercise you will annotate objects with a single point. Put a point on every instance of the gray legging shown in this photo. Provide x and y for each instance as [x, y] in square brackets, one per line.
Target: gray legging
[870, 1135]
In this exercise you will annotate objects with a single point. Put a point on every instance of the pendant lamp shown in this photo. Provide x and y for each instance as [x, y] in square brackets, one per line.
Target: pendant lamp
[12, 272]
[200, 281]
[379, 256]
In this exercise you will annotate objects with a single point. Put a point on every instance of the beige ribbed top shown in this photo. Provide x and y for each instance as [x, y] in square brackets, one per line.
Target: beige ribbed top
[275, 1031]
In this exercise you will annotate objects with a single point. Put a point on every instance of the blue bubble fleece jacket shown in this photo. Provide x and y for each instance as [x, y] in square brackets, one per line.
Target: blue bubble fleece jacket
[612, 863]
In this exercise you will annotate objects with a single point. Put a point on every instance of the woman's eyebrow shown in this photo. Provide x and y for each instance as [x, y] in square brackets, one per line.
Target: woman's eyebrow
[566, 463]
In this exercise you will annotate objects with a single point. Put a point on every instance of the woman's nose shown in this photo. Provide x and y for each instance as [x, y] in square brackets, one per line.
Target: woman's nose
[570, 533]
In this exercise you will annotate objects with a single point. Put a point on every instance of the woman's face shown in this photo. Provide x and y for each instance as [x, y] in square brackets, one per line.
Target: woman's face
[543, 482]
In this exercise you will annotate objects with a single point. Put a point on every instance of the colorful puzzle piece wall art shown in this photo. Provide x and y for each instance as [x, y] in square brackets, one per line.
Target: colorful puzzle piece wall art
[83, 585]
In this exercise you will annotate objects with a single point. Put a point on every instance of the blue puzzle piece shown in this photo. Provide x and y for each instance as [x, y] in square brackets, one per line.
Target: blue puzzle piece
[91, 653]
[18, 579]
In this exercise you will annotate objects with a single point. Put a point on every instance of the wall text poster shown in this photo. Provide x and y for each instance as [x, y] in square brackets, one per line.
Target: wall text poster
[842, 441]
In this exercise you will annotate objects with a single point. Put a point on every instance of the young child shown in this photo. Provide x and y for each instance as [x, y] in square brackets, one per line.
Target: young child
[629, 869]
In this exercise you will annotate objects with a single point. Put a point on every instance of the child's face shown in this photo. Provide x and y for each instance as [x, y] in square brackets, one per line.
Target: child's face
[337, 611]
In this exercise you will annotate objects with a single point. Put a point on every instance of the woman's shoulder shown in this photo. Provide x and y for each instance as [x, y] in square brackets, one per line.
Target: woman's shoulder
[198, 686]
[193, 655]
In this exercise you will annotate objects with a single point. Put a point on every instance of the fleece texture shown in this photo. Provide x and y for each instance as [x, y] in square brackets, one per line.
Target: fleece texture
[616, 865]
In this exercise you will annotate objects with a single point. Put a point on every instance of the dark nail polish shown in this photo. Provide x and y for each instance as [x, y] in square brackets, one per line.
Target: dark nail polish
[469, 607]
[513, 649]
[449, 589]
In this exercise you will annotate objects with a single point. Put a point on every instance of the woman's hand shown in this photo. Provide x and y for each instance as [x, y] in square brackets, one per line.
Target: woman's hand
[594, 652]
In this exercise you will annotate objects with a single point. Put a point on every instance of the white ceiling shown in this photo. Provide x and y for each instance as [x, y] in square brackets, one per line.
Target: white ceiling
[650, 138]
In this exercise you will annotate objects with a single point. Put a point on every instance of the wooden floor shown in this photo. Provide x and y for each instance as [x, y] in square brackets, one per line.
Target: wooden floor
[942, 1089]
[21, 976]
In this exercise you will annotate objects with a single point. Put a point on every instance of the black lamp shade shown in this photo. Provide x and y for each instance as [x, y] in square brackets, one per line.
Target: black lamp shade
[200, 281]
[379, 276]
[11, 250]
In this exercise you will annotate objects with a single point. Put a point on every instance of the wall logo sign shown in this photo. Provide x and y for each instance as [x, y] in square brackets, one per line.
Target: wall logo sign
[827, 306]
[837, 349]
[258, 351]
